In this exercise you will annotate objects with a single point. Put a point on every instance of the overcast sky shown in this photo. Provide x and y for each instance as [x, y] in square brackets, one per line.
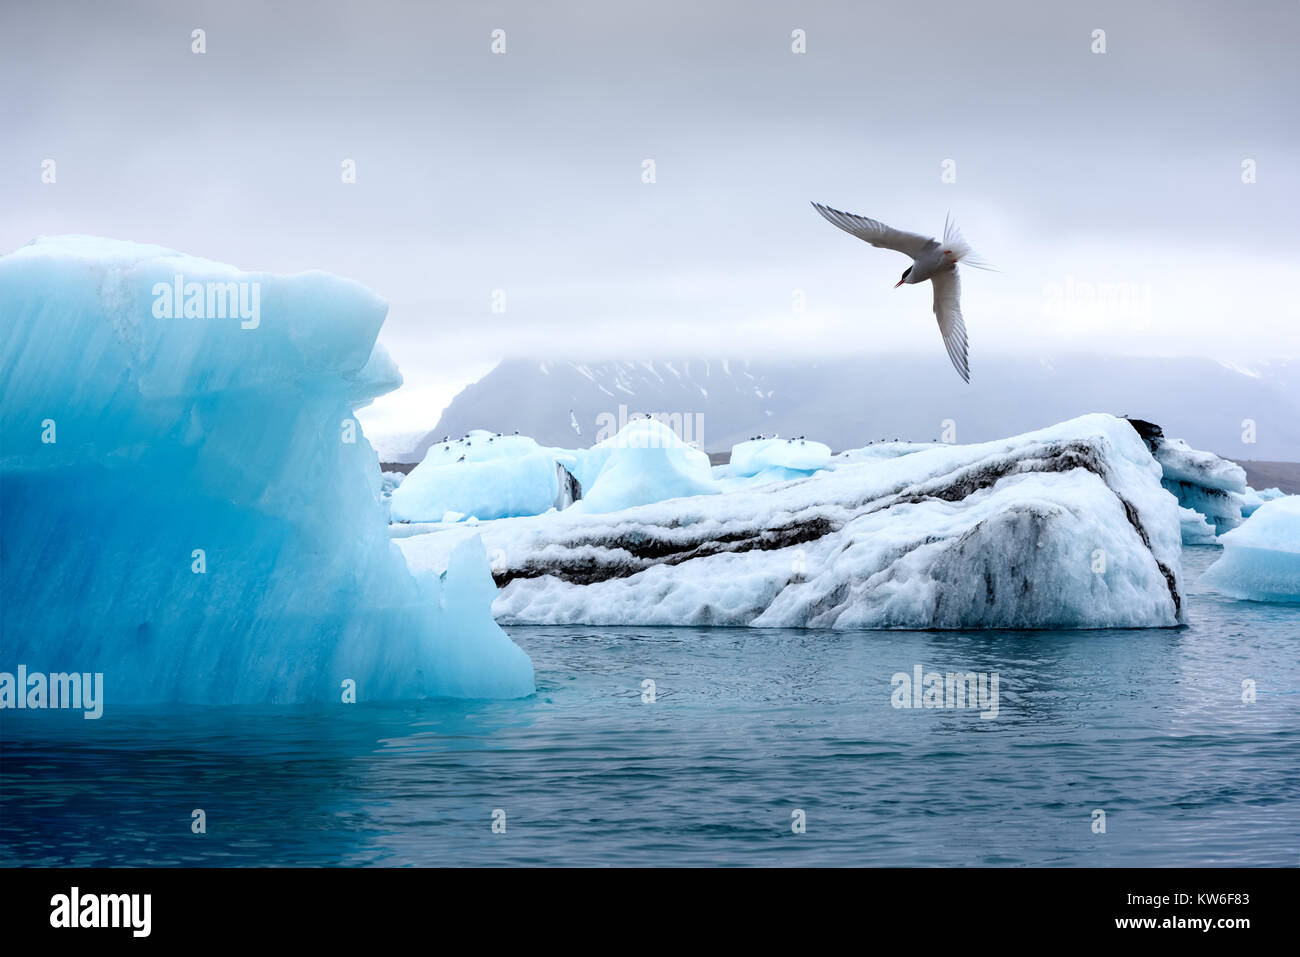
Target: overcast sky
[523, 171]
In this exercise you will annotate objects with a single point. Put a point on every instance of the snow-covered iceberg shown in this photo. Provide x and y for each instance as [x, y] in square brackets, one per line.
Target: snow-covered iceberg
[189, 505]
[1261, 557]
[1065, 527]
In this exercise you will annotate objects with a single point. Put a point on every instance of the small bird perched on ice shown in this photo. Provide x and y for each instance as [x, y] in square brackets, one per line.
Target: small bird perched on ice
[931, 260]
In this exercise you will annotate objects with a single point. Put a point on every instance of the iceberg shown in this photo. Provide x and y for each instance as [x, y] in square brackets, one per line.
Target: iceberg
[1195, 529]
[792, 455]
[490, 476]
[1261, 557]
[1203, 482]
[761, 461]
[643, 462]
[1209, 486]
[189, 505]
[1066, 527]
[484, 474]
[1254, 498]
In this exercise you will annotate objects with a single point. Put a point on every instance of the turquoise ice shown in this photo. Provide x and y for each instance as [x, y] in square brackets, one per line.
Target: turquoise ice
[189, 505]
[1261, 557]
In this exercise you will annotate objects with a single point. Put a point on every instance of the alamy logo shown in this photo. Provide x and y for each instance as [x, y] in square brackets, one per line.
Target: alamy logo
[102, 910]
[209, 300]
[951, 690]
[81, 691]
[688, 427]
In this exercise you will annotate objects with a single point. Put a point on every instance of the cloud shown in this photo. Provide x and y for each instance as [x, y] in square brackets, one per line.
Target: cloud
[522, 172]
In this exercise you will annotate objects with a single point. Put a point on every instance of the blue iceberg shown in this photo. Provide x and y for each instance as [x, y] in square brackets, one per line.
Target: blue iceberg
[644, 462]
[483, 475]
[1261, 557]
[189, 505]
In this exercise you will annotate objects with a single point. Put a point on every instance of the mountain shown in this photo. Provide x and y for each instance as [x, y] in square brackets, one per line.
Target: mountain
[1238, 412]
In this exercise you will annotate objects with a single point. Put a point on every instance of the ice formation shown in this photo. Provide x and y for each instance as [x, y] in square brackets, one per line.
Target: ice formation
[1195, 528]
[644, 462]
[1261, 557]
[1064, 527]
[779, 455]
[1253, 499]
[189, 504]
[1203, 482]
[485, 475]
[1212, 490]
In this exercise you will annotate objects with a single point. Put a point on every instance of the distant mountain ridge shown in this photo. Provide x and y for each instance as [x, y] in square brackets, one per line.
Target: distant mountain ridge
[850, 402]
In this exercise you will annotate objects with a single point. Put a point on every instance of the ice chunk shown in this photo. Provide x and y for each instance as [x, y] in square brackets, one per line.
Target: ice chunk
[189, 505]
[1261, 557]
[1207, 484]
[1195, 529]
[1253, 499]
[1065, 527]
[792, 455]
[644, 462]
[483, 474]
[1203, 482]
[388, 483]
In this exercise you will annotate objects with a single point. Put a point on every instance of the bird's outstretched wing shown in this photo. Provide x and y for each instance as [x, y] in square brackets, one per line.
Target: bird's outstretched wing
[947, 309]
[877, 233]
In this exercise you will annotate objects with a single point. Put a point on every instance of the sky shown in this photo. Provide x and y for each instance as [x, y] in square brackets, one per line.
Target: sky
[1140, 200]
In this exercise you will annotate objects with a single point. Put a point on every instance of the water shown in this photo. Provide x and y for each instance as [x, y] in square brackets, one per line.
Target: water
[748, 727]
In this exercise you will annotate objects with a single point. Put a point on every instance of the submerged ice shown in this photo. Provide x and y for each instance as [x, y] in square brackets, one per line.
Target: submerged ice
[190, 506]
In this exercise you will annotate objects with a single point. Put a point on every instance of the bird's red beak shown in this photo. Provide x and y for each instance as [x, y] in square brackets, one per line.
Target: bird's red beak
[897, 284]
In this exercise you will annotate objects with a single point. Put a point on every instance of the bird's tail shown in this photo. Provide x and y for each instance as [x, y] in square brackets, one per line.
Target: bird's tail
[961, 250]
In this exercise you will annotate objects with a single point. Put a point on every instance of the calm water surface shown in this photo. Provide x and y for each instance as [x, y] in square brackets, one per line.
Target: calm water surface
[748, 726]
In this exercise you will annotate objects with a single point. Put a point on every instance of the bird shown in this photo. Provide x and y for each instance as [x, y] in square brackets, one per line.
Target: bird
[931, 260]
